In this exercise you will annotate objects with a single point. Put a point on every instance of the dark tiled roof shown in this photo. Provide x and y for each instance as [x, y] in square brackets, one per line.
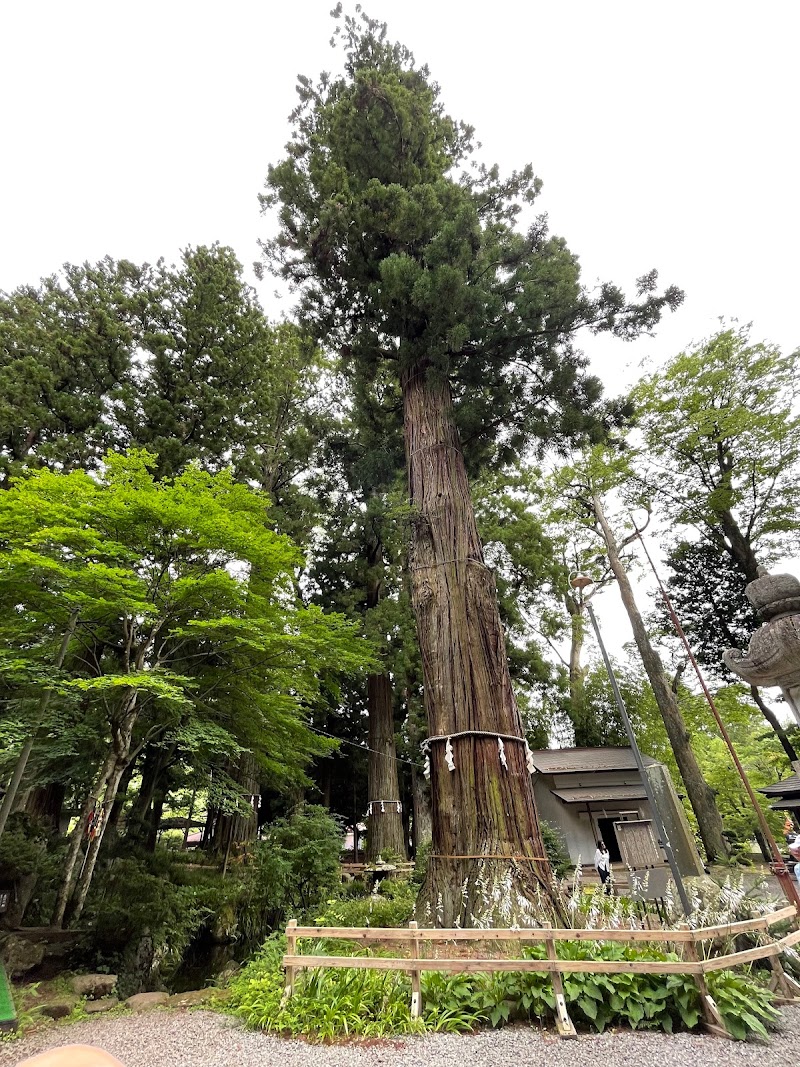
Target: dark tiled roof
[573, 760]
[788, 787]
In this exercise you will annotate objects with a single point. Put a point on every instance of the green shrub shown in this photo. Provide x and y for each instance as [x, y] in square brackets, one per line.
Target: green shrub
[392, 904]
[340, 1002]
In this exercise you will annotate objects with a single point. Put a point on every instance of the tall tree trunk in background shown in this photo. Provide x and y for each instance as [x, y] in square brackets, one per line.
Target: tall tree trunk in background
[45, 804]
[480, 807]
[578, 712]
[700, 794]
[238, 828]
[385, 820]
[421, 823]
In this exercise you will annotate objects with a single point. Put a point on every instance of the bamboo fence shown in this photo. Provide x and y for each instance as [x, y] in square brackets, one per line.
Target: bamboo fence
[693, 963]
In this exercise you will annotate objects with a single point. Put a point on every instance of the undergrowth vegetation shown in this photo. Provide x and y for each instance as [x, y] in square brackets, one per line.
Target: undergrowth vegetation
[329, 1004]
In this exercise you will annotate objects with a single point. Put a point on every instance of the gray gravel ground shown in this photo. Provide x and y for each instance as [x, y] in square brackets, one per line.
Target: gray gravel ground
[206, 1039]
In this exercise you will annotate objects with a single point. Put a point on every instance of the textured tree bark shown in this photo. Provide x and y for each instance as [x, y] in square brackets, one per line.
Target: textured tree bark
[701, 796]
[577, 675]
[421, 824]
[385, 821]
[235, 828]
[480, 808]
[45, 804]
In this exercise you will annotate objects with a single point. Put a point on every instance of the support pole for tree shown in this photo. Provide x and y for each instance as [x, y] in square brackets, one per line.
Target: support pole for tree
[22, 759]
[778, 866]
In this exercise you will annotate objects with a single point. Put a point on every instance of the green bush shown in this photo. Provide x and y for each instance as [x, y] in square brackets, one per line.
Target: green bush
[392, 904]
[338, 1002]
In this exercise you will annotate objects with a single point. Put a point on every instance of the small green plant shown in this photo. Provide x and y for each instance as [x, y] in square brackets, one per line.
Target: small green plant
[391, 905]
[341, 1002]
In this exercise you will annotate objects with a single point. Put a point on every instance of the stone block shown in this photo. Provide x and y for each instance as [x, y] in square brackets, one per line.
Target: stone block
[145, 1001]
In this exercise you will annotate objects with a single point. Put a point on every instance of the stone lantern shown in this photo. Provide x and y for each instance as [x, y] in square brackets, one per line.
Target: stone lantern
[773, 655]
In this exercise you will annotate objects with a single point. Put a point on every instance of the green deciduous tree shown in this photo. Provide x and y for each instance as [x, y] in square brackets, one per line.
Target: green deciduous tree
[720, 422]
[188, 622]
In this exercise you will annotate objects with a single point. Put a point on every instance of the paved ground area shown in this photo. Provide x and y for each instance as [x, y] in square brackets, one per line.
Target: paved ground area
[205, 1039]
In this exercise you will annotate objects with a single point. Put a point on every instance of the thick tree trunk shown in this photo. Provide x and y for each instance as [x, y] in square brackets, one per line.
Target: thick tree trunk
[45, 804]
[385, 821]
[236, 828]
[485, 827]
[700, 794]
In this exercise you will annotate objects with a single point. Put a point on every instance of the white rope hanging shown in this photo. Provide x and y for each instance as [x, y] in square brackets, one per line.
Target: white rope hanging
[502, 752]
[529, 758]
[448, 755]
[372, 806]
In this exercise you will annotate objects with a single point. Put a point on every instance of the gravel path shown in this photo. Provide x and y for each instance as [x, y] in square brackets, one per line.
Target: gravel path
[206, 1039]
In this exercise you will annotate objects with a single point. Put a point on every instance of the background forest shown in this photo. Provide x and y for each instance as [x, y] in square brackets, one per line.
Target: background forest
[208, 634]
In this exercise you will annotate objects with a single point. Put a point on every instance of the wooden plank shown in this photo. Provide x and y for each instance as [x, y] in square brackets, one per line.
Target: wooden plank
[374, 934]
[762, 922]
[291, 947]
[564, 1025]
[734, 959]
[713, 1021]
[392, 963]
[416, 983]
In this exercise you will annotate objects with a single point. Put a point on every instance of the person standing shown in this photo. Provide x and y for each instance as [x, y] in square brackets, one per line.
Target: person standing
[602, 863]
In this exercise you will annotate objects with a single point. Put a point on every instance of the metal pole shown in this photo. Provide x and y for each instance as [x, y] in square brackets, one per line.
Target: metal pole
[663, 840]
[779, 869]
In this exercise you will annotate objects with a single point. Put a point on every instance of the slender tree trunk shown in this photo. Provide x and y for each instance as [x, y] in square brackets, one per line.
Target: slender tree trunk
[122, 795]
[93, 851]
[22, 759]
[585, 734]
[480, 807]
[78, 833]
[774, 722]
[421, 824]
[385, 820]
[700, 794]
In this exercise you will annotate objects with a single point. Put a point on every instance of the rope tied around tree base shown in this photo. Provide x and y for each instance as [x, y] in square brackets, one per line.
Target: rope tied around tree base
[501, 739]
[439, 444]
[488, 856]
[446, 562]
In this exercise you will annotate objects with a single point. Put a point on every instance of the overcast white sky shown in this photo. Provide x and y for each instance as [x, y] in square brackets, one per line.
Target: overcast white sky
[665, 134]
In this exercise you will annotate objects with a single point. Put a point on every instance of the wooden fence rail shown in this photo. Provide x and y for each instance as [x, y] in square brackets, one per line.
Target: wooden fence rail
[692, 963]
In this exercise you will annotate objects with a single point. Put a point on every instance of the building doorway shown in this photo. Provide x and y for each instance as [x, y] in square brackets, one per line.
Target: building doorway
[609, 836]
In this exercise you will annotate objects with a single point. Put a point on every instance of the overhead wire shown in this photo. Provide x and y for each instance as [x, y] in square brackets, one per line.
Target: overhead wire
[364, 748]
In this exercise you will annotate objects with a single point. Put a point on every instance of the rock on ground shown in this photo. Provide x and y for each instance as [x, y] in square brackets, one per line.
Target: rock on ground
[93, 985]
[205, 1039]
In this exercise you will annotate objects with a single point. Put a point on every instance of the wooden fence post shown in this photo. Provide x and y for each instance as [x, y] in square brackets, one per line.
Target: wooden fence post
[564, 1024]
[416, 985]
[291, 950]
[713, 1021]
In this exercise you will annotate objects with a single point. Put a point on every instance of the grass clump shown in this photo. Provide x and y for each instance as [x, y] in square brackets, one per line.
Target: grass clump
[343, 1003]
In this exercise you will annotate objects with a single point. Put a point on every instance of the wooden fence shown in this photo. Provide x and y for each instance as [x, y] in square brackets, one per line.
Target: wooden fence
[785, 988]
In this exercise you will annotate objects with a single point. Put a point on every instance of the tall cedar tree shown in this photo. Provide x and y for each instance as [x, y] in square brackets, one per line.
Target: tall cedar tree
[407, 260]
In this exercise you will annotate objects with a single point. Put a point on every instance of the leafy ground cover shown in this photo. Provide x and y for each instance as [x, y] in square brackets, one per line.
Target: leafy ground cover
[329, 1004]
